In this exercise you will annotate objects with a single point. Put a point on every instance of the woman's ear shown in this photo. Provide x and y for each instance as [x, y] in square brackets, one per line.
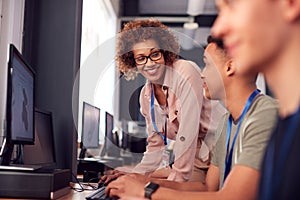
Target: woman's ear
[229, 67]
[292, 10]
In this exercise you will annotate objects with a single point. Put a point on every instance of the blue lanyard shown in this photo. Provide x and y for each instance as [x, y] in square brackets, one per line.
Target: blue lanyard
[272, 181]
[163, 136]
[228, 159]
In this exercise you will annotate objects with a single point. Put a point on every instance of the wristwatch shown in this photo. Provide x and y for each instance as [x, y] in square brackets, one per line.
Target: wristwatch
[150, 188]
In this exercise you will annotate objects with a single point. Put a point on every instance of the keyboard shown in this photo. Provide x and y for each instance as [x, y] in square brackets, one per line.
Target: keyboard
[97, 194]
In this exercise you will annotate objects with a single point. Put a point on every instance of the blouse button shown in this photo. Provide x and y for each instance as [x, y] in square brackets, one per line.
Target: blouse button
[182, 138]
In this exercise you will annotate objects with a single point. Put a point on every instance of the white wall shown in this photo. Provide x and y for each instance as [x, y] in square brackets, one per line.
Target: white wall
[97, 68]
[11, 27]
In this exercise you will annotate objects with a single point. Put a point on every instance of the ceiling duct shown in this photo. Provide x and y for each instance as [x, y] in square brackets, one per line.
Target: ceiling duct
[201, 7]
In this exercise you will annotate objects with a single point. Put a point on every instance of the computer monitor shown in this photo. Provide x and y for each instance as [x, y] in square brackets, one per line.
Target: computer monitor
[90, 128]
[134, 136]
[42, 153]
[19, 105]
[111, 137]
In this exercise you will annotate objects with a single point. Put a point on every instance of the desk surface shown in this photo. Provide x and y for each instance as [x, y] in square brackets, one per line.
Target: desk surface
[72, 195]
[75, 195]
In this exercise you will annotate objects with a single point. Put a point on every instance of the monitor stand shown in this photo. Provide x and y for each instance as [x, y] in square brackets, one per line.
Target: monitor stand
[5, 162]
[6, 152]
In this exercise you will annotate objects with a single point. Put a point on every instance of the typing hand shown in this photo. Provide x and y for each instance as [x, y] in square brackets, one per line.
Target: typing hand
[124, 187]
[109, 176]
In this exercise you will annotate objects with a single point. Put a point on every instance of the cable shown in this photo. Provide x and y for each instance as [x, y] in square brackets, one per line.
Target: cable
[81, 189]
[81, 185]
[90, 181]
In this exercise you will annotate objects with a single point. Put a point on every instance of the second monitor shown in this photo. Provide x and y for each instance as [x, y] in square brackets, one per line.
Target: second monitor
[43, 151]
[111, 144]
[90, 128]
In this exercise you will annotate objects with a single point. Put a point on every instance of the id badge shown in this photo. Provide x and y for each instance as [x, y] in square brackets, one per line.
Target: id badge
[165, 159]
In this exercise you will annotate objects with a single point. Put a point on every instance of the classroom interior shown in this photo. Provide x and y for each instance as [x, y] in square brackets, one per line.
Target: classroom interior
[88, 111]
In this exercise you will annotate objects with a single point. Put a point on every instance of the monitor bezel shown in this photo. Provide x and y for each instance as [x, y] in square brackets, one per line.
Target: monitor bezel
[82, 127]
[109, 136]
[14, 53]
[46, 164]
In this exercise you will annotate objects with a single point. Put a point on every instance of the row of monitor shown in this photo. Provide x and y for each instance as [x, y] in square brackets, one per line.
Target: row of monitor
[91, 131]
[26, 126]
[23, 122]
[90, 134]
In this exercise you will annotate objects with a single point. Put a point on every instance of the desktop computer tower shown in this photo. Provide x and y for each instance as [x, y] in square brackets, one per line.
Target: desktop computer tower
[49, 184]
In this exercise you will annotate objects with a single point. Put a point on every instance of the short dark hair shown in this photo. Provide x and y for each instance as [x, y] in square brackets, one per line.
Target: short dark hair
[218, 42]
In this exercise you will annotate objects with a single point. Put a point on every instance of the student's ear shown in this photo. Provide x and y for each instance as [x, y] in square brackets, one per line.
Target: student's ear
[230, 68]
[292, 10]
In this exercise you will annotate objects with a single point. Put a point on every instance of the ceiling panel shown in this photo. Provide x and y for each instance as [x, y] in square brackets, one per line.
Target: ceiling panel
[174, 7]
[177, 7]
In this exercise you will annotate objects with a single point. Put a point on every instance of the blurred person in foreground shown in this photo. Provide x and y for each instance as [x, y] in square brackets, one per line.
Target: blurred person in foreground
[264, 35]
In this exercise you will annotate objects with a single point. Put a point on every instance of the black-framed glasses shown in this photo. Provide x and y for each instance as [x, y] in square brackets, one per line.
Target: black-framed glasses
[154, 56]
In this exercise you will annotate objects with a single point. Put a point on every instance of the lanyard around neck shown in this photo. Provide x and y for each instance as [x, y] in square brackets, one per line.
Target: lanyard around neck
[228, 159]
[163, 136]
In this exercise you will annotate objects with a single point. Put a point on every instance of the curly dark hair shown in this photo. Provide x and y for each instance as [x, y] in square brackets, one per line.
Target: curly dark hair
[141, 30]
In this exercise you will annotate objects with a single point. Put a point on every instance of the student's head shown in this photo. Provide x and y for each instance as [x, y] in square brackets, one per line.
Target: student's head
[255, 31]
[146, 46]
[213, 74]
[221, 75]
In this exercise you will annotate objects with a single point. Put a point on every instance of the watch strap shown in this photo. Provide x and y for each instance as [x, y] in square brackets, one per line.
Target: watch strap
[150, 188]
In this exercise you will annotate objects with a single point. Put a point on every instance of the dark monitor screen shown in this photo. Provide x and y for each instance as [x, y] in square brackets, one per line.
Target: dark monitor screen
[43, 151]
[111, 137]
[19, 105]
[109, 125]
[20, 99]
[90, 126]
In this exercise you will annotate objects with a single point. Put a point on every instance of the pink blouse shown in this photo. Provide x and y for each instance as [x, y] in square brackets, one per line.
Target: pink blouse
[189, 122]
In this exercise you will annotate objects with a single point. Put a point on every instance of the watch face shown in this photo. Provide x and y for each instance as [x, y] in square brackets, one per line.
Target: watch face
[150, 188]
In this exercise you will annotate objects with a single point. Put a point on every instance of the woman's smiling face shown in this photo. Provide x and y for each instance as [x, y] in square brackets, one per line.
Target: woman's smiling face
[152, 70]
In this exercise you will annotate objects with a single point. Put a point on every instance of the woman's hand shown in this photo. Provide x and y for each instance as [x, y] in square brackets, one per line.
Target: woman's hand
[126, 186]
[110, 175]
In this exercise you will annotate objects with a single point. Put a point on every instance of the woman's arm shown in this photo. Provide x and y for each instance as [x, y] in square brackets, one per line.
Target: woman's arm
[210, 184]
[241, 183]
[152, 156]
[187, 88]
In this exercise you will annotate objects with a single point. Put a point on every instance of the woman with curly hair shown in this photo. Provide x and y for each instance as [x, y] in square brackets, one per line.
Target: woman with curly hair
[171, 100]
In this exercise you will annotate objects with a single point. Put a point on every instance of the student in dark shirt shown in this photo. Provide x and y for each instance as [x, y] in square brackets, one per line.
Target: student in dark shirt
[265, 35]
